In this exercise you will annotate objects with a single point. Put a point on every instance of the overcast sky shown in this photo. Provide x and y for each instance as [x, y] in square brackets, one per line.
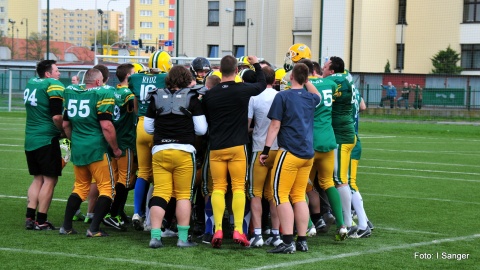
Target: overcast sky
[118, 5]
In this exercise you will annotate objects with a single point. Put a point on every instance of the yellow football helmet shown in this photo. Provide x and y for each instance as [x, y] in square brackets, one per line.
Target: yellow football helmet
[243, 63]
[295, 53]
[160, 60]
[139, 68]
[219, 74]
[279, 74]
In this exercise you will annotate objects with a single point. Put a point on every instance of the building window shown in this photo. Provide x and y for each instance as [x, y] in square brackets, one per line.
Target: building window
[161, 2]
[213, 12]
[145, 13]
[400, 56]
[161, 14]
[240, 13]
[239, 51]
[471, 11]
[161, 37]
[2, 9]
[212, 51]
[145, 2]
[161, 25]
[402, 11]
[470, 56]
[145, 24]
[171, 30]
[146, 36]
[2, 21]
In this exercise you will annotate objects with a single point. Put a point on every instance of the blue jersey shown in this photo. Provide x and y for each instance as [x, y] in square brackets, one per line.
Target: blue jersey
[295, 110]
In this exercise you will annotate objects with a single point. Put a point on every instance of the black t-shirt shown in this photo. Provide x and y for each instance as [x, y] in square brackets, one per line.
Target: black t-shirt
[226, 110]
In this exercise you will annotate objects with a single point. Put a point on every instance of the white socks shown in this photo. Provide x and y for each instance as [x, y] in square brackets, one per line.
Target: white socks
[357, 203]
[346, 198]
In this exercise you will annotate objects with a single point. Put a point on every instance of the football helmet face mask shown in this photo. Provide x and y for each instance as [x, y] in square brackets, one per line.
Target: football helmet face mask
[199, 68]
[160, 60]
[295, 53]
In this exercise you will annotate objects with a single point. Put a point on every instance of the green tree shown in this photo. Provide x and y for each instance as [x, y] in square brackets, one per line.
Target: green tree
[445, 62]
[102, 37]
[37, 44]
[387, 67]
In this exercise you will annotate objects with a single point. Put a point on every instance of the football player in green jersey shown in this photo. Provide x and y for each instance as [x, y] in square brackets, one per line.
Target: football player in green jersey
[124, 122]
[43, 99]
[87, 122]
[324, 144]
[140, 84]
[343, 127]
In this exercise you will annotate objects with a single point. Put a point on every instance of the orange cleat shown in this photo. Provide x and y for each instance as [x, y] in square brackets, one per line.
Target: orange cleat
[240, 239]
[217, 239]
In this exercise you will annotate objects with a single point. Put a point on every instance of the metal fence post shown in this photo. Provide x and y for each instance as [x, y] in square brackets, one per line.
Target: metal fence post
[10, 90]
[368, 94]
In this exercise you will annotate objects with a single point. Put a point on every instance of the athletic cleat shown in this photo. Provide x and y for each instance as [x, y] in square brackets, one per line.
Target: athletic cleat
[100, 233]
[284, 248]
[67, 232]
[126, 219]
[79, 216]
[137, 222]
[146, 227]
[320, 225]
[88, 220]
[301, 246]
[217, 239]
[370, 225]
[168, 233]
[361, 233]
[183, 244]
[65, 148]
[155, 243]
[267, 231]
[351, 230]
[341, 234]
[240, 239]
[273, 240]
[329, 220]
[207, 238]
[29, 224]
[47, 226]
[256, 241]
[311, 231]
[114, 222]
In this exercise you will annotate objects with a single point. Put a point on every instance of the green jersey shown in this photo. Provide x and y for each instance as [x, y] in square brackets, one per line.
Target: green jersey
[39, 128]
[82, 107]
[323, 135]
[124, 118]
[356, 107]
[343, 99]
[140, 84]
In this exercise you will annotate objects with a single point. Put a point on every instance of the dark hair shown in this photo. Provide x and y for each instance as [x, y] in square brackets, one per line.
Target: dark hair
[265, 62]
[123, 70]
[317, 68]
[228, 65]
[91, 75]
[337, 64]
[308, 63]
[269, 74]
[249, 76]
[45, 66]
[178, 77]
[300, 73]
[104, 70]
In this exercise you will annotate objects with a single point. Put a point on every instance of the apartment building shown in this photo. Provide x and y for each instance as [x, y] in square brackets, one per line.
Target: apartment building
[364, 33]
[78, 26]
[152, 21]
[17, 20]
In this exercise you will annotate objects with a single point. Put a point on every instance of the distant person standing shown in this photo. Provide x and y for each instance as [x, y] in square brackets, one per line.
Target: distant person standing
[391, 94]
[75, 80]
[417, 102]
[43, 99]
[405, 95]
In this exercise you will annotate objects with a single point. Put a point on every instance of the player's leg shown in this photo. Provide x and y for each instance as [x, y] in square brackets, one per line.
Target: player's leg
[219, 170]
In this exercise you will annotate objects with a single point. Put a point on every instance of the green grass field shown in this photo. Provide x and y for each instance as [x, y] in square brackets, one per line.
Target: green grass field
[419, 181]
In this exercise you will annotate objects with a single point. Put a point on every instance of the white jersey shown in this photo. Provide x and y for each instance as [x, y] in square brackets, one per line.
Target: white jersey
[258, 108]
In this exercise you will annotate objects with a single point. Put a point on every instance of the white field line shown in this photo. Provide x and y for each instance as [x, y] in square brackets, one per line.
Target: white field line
[418, 170]
[407, 231]
[318, 256]
[419, 176]
[417, 198]
[25, 197]
[91, 258]
[426, 163]
[11, 145]
[463, 153]
[414, 138]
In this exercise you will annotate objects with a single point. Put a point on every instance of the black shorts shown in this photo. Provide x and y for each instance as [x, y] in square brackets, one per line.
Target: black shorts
[46, 160]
